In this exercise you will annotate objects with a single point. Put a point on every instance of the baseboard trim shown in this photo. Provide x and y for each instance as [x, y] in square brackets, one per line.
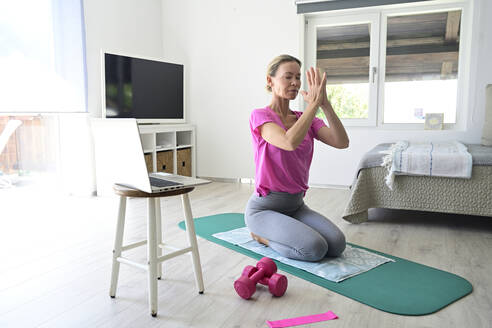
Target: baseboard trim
[252, 181]
[329, 186]
[216, 179]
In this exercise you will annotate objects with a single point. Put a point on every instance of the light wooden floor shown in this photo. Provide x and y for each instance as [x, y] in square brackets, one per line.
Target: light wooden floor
[55, 255]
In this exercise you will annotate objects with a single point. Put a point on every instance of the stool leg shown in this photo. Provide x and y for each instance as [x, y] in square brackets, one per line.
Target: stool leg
[152, 255]
[118, 244]
[158, 231]
[190, 229]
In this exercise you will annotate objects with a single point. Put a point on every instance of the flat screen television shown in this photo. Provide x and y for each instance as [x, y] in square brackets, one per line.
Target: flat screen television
[150, 91]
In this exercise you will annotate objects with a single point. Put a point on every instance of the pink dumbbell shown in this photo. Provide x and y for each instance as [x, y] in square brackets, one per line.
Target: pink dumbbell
[264, 273]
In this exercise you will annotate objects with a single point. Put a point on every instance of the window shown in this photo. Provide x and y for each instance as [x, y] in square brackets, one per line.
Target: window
[42, 75]
[391, 65]
[421, 68]
[347, 50]
[42, 56]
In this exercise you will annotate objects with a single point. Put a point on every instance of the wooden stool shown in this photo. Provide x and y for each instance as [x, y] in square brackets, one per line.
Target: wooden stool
[154, 240]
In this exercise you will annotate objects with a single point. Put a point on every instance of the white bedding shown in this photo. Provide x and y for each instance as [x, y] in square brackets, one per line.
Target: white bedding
[442, 159]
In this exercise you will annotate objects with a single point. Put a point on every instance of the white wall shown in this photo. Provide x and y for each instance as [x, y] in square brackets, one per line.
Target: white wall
[119, 26]
[484, 63]
[226, 45]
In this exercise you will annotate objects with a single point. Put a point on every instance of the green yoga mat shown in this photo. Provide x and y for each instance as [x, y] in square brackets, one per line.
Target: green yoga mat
[400, 287]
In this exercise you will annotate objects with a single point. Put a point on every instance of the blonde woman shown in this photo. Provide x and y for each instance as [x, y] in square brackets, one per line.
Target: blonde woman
[283, 143]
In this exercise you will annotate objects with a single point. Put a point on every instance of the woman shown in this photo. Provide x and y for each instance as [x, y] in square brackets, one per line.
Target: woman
[283, 144]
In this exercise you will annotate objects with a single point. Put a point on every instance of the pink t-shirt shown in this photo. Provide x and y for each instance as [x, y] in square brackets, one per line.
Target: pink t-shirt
[278, 169]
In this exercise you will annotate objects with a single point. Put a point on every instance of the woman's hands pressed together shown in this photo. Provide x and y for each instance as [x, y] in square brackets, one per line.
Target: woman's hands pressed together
[334, 135]
[316, 94]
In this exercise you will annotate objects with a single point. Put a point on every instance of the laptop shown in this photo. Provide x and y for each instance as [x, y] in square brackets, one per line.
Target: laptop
[120, 159]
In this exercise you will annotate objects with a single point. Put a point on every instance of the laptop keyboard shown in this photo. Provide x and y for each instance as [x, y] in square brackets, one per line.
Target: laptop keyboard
[156, 182]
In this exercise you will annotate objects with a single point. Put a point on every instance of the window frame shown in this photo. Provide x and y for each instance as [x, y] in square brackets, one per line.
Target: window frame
[308, 44]
[351, 19]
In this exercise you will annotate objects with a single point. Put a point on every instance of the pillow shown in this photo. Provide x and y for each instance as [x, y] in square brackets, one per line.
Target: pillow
[487, 124]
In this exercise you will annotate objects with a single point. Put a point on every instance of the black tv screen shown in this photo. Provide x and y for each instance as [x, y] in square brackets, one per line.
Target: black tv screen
[147, 90]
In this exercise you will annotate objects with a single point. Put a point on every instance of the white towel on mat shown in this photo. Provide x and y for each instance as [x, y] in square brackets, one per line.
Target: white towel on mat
[352, 262]
[440, 159]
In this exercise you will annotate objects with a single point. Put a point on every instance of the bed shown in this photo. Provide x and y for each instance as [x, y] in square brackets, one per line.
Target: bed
[421, 193]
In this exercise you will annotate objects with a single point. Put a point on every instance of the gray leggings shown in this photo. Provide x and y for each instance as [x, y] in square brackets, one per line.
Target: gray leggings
[292, 229]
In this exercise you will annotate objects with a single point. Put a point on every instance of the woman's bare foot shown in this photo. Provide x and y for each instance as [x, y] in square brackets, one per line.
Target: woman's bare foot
[259, 239]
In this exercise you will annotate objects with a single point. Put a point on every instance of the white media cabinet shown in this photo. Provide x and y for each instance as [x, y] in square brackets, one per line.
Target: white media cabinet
[176, 139]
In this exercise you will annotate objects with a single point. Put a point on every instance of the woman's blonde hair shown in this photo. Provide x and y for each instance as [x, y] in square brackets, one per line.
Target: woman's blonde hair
[276, 62]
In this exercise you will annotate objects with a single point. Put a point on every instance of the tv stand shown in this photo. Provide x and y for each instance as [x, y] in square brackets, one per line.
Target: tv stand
[169, 148]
